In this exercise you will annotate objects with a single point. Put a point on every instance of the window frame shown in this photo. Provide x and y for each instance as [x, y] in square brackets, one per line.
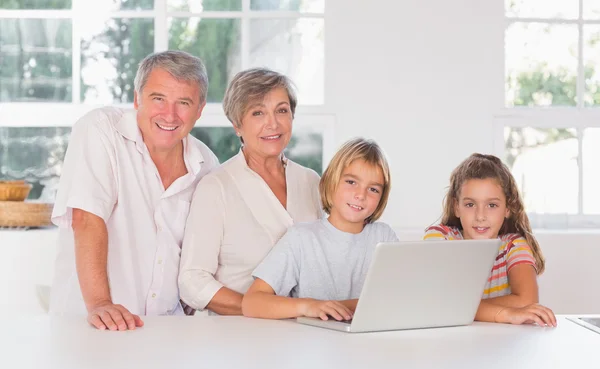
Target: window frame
[579, 117]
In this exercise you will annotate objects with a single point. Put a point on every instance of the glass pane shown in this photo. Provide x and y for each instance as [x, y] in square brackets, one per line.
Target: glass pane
[35, 155]
[216, 42]
[35, 60]
[591, 9]
[294, 47]
[110, 53]
[103, 6]
[35, 4]
[591, 58]
[541, 64]
[305, 147]
[305, 6]
[197, 6]
[542, 8]
[544, 164]
[591, 172]
[134, 4]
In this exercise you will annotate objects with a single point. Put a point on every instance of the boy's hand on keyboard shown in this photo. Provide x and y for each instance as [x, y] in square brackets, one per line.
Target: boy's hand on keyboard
[325, 309]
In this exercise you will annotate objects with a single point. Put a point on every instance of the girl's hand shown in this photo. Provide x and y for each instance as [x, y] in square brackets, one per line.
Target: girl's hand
[534, 313]
[323, 309]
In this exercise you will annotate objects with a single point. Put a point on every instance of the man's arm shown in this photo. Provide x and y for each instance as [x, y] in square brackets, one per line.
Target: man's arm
[91, 253]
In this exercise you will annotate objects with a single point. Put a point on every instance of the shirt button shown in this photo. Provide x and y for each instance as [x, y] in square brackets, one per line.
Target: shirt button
[153, 295]
[160, 261]
[159, 228]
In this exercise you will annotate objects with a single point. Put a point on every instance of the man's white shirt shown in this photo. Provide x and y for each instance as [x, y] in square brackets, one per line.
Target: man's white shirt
[108, 172]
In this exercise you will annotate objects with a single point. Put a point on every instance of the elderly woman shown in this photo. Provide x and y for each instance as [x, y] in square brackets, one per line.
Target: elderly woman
[241, 209]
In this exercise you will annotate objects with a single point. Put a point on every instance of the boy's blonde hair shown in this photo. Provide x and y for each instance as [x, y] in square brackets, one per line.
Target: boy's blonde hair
[479, 166]
[356, 149]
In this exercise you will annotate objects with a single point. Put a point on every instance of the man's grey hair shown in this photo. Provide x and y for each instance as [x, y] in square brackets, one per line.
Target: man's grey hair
[181, 65]
[251, 86]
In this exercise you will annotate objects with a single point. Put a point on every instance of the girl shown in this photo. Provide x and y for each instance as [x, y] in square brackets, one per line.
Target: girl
[318, 269]
[483, 202]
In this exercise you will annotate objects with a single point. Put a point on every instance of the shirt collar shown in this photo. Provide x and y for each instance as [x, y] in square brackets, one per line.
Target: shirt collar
[128, 128]
[192, 154]
[241, 158]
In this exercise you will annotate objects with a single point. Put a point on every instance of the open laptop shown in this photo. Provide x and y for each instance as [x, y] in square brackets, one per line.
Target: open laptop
[420, 284]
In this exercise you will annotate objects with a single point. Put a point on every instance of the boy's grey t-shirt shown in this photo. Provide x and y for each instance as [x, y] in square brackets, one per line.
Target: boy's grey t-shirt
[317, 260]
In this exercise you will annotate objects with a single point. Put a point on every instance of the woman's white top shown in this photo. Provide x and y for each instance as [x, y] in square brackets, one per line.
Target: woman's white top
[235, 219]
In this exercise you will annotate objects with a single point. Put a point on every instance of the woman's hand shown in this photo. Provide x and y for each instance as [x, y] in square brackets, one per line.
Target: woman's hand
[324, 309]
[534, 313]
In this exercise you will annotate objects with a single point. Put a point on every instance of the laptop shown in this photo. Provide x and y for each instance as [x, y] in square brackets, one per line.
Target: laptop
[420, 284]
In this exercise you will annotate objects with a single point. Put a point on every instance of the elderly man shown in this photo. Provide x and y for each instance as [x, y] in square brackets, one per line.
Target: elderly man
[124, 197]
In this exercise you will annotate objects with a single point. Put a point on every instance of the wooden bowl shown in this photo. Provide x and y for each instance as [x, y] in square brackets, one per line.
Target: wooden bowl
[14, 190]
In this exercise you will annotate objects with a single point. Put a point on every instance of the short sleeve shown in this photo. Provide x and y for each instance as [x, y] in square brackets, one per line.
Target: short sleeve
[280, 269]
[388, 234]
[518, 252]
[437, 232]
[88, 180]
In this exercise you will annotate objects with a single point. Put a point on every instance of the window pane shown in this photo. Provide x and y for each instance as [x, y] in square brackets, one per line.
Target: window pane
[294, 47]
[35, 155]
[134, 4]
[197, 6]
[305, 147]
[110, 53]
[542, 8]
[35, 4]
[103, 6]
[591, 56]
[541, 64]
[216, 42]
[35, 60]
[544, 164]
[308, 6]
[591, 171]
[591, 9]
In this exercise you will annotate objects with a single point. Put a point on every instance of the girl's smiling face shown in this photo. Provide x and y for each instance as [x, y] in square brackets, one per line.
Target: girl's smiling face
[481, 208]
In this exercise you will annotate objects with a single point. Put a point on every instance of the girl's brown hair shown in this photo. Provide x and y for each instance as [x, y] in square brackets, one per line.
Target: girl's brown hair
[479, 166]
[356, 149]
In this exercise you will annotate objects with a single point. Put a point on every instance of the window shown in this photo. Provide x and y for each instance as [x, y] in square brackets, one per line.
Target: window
[549, 129]
[61, 58]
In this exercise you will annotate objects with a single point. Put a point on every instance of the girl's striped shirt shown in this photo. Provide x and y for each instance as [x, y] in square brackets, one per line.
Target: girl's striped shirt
[514, 251]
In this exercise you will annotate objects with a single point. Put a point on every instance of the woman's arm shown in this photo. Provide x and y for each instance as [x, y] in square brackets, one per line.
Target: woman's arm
[200, 252]
[226, 302]
[261, 302]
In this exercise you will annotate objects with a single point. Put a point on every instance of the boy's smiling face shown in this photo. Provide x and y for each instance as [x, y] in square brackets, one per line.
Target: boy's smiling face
[356, 196]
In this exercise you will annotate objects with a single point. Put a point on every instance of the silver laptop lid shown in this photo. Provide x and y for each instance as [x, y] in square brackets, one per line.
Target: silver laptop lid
[424, 284]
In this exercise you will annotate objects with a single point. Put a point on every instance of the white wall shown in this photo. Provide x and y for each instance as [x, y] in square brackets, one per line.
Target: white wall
[423, 78]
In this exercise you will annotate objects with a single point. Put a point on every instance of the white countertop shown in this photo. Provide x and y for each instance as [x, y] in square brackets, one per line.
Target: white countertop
[237, 342]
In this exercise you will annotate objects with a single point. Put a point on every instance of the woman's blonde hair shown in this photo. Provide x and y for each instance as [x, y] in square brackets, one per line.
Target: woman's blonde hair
[479, 166]
[356, 149]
